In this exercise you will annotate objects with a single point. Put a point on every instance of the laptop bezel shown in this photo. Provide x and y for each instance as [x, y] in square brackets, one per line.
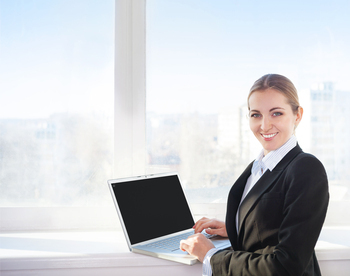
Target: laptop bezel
[141, 177]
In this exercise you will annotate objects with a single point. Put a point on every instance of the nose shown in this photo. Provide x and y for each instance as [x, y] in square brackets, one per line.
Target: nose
[265, 124]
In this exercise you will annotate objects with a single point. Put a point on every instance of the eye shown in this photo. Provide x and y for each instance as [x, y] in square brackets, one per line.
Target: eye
[276, 114]
[255, 115]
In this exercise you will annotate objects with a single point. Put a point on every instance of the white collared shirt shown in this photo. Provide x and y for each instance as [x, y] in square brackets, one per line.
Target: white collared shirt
[263, 163]
[260, 165]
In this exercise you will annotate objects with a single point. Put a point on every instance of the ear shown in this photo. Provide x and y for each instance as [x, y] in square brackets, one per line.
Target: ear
[299, 116]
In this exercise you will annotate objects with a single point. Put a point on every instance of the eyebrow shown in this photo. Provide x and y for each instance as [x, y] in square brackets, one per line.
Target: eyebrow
[272, 109]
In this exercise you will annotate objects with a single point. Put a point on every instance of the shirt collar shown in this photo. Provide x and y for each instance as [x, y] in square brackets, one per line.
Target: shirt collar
[271, 160]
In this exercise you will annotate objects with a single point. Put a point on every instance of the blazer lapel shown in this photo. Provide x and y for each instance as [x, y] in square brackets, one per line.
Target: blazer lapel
[235, 196]
[263, 184]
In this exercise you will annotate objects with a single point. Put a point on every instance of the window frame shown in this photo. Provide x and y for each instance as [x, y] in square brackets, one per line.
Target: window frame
[129, 144]
[130, 88]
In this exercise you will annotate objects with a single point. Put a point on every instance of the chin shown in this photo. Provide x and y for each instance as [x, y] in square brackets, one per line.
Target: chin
[269, 148]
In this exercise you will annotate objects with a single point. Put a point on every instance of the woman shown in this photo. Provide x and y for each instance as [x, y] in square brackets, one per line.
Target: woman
[276, 208]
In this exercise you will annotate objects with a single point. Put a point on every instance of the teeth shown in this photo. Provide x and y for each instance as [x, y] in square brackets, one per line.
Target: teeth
[269, 136]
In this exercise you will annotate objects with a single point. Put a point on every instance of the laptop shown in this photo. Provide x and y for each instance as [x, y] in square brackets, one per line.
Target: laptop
[155, 214]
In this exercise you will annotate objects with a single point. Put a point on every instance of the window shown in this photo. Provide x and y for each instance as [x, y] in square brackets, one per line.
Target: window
[202, 58]
[56, 115]
[56, 69]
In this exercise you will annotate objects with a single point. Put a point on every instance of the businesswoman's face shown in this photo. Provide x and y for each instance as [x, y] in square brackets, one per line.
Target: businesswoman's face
[272, 119]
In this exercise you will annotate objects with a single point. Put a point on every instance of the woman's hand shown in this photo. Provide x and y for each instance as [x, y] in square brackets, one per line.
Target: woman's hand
[197, 245]
[211, 226]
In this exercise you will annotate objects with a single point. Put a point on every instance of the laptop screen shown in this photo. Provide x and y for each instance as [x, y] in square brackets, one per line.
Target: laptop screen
[152, 207]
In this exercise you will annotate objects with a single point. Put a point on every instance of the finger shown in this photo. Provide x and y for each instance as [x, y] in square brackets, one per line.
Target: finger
[186, 245]
[199, 222]
[213, 231]
[220, 231]
[205, 225]
[200, 225]
[183, 245]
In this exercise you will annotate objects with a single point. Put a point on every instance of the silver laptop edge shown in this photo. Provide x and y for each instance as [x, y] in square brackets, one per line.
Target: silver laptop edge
[179, 256]
[133, 178]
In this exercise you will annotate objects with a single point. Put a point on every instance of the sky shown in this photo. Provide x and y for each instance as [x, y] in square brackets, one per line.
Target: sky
[202, 55]
[202, 51]
[55, 56]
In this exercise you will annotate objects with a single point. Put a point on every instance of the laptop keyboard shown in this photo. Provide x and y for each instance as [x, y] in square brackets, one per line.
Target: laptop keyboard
[173, 243]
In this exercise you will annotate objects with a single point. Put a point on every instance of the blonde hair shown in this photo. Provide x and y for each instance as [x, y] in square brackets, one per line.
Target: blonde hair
[279, 83]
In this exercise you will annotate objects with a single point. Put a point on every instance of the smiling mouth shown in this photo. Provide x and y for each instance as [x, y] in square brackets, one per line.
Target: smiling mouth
[268, 136]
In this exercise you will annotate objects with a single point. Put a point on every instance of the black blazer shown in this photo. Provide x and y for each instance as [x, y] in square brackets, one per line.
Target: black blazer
[279, 220]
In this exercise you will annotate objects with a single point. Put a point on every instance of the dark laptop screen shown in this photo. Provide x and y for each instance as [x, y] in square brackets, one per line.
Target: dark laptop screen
[152, 207]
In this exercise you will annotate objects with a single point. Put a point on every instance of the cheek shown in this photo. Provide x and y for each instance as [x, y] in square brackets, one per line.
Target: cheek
[252, 125]
[290, 126]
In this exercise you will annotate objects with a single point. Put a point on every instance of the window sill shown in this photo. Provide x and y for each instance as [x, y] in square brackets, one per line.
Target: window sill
[73, 253]
[106, 252]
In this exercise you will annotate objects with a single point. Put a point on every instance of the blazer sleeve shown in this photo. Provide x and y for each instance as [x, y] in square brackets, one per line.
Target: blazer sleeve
[306, 197]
